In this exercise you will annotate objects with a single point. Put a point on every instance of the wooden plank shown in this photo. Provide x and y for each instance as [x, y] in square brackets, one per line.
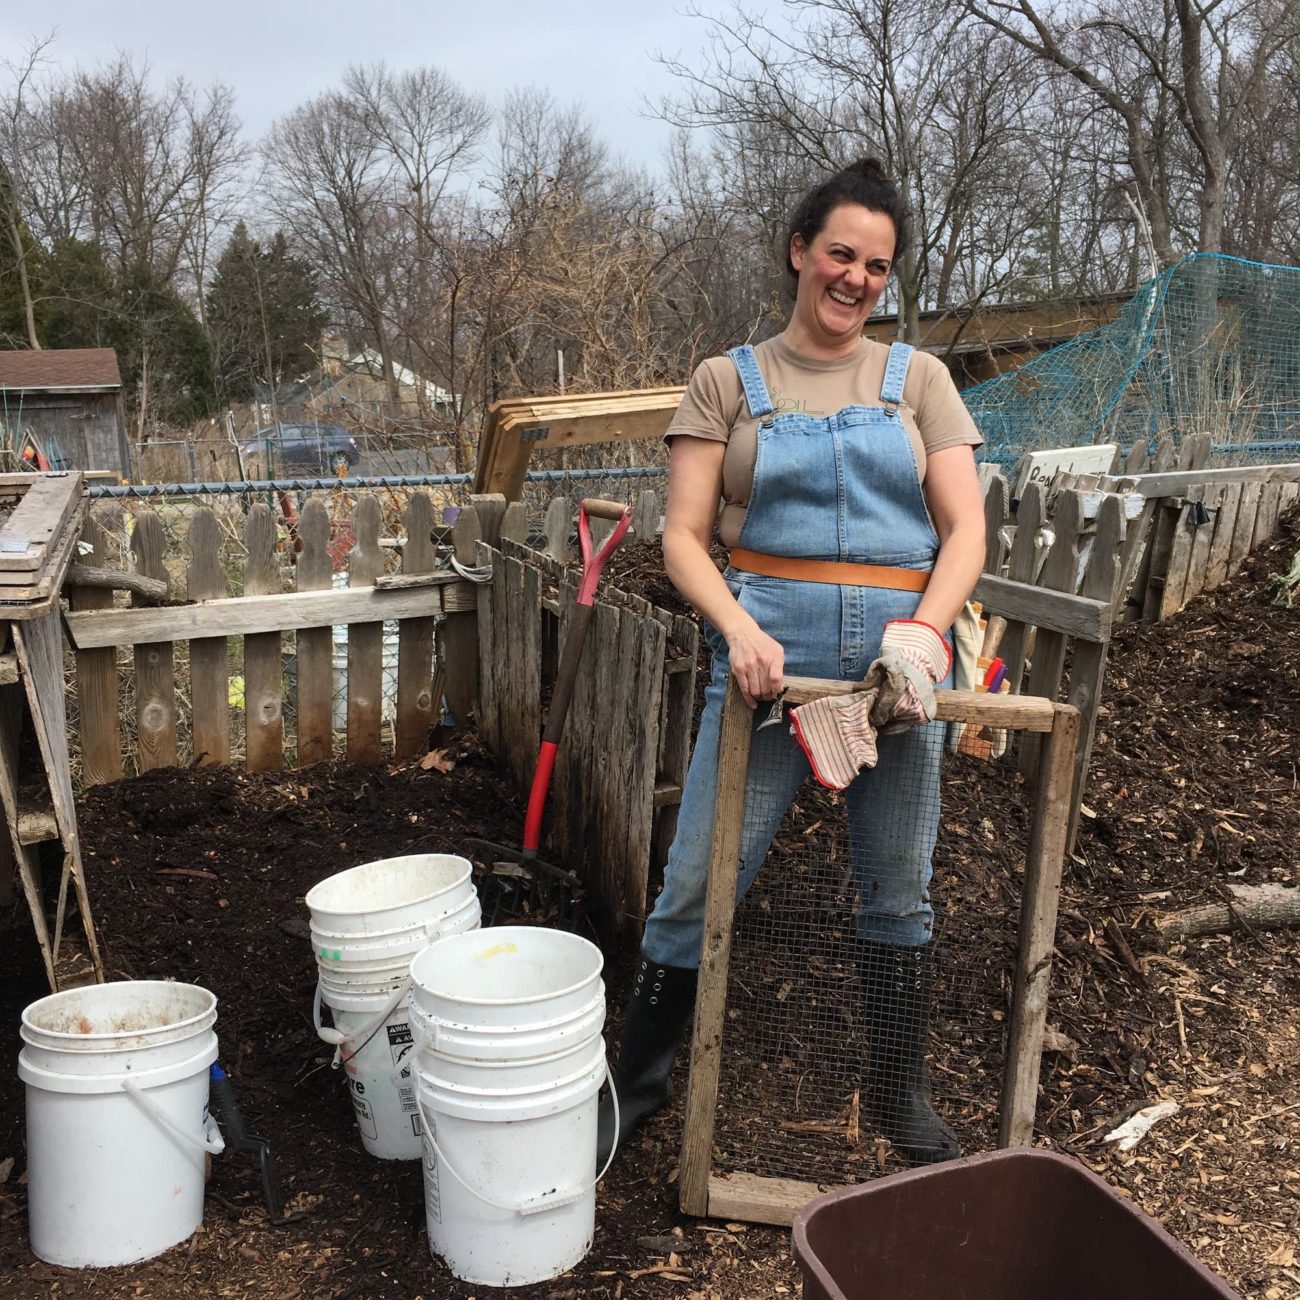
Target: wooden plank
[26, 857]
[1175, 483]
[155, 681]
[39, 643]
[490, 595]
[1243, 533]
[365, 640]
[1088, 665]
[1057, 611]
[416, 707]
[45, 595]
[1196, 449]
[1225, 523]
[1164, 456]
[646, 517]
[1059, 573]
[1022, 567]
[1131, 586]
[1135, 461]
[99, 723]
[1011, 712]
[556, 528]
[263, 675]
[38, 521]
[209, 665]
[1044, 862]
[37, 826]
[995, 521]
[250, 615]
[490, 507]
[1180, 555]
[715, 953]
[1266, 517]
[514, 523]
[1155, 568]
[458, 648]
[314, 645]
[752, 1198]
[1202, 539]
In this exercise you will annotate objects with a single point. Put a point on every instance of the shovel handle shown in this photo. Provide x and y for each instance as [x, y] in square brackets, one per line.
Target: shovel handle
[600, 509]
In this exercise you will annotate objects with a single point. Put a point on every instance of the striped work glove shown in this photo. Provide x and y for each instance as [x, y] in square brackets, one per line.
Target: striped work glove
[836, 734]
[913, 657]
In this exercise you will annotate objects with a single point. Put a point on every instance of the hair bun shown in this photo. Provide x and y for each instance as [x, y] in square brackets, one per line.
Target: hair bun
[870, 169]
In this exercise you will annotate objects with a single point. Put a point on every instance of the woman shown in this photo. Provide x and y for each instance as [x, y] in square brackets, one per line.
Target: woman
[851, 503]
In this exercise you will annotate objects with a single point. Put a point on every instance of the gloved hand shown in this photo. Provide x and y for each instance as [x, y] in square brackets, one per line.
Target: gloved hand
[836, 734]
[913, 657]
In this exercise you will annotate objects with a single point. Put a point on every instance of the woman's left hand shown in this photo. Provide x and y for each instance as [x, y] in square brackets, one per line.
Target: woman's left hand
[913, 659]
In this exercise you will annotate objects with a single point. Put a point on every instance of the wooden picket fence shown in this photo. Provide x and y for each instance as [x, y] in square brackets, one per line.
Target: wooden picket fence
[220, 630]
[617, 783]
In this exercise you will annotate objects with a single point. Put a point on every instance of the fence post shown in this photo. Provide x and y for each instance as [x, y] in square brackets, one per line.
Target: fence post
[315, 674]
[365, 640]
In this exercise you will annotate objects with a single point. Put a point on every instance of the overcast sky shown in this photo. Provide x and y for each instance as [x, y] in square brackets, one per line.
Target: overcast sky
[275, 55]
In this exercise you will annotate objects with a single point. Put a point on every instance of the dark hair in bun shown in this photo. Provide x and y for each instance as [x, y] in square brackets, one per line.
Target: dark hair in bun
[864, 182]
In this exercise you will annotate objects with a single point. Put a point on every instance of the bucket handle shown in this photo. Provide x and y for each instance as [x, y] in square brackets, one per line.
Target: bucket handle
[336, 1037]
[533, 1204]
[214, 1144]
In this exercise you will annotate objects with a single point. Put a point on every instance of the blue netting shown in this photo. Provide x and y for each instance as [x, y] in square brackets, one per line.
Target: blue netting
[1212, 345]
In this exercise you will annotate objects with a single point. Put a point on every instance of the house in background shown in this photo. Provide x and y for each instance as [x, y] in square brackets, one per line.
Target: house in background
[69, 400]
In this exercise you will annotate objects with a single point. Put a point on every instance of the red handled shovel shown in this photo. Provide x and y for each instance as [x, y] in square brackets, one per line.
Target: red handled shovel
[518, 864]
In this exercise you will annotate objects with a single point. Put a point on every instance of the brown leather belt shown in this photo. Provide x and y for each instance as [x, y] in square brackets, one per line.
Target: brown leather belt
[836, 571]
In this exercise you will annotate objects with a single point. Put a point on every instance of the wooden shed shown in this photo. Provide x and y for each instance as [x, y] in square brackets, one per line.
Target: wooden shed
[70, 401]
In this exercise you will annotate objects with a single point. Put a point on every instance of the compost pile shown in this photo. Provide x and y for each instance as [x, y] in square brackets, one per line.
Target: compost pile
[200, 875]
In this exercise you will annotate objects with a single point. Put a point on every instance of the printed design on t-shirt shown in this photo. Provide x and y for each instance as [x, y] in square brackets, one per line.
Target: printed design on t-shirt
[783, 405]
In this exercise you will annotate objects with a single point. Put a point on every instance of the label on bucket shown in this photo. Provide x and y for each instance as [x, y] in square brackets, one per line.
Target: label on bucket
[365, 1113]
[401, 1045]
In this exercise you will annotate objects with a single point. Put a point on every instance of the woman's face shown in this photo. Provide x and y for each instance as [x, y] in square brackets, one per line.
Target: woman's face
[842, 274]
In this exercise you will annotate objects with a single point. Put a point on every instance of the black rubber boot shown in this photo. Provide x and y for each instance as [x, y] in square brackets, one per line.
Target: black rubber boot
[896, 983]
[658, 1012]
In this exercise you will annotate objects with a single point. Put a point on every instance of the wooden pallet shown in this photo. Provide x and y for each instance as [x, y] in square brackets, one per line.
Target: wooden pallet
[38, 537]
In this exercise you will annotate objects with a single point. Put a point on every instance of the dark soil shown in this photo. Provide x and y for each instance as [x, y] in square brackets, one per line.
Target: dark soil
[200, 875]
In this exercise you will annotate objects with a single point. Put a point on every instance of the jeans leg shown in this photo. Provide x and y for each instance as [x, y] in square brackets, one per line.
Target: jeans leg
[777, 767]
[893, 823]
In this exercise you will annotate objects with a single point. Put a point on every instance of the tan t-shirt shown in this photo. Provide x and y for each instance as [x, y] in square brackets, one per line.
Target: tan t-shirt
[714, 407]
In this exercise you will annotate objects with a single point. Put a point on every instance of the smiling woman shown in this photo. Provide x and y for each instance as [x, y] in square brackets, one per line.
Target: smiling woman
[852, 509]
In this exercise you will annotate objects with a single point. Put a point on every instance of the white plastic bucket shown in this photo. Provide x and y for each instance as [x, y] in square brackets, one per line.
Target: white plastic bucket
[117, 1119]
[514, 977]
[509, 1197]
[390, 895]
[510, 1059]
[366, 925]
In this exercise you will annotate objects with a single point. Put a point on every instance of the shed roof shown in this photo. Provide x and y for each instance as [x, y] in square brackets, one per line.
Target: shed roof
[66, 368]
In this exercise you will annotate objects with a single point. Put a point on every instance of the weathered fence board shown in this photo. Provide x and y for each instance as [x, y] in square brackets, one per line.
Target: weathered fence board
[209, 671]
[99, 722]
[314, 702]
[155, 680]
[415, 702]
[365, 641]
[263, 676]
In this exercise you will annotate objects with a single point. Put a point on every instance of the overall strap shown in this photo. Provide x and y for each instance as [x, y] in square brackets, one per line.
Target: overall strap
[746, 363]
[891, 387]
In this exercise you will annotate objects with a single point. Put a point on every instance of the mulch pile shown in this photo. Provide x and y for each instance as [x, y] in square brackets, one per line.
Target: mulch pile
[200, 874]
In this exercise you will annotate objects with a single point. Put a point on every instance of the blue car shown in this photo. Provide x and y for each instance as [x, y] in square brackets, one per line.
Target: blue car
[304, 448]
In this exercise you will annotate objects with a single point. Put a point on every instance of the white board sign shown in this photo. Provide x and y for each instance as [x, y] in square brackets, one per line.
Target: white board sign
[1043, 466]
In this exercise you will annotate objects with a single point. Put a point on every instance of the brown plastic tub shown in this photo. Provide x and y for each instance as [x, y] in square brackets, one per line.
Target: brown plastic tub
[1019, 1224]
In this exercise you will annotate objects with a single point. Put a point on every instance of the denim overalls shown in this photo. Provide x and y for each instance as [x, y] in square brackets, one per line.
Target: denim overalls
[843, 487]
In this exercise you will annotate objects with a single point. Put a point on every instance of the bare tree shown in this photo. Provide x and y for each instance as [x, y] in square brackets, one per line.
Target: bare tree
[17, 140]
[1197, 67]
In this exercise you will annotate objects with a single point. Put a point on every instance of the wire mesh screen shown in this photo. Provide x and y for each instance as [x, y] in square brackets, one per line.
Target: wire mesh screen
[872, 963]
[1208, 346]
